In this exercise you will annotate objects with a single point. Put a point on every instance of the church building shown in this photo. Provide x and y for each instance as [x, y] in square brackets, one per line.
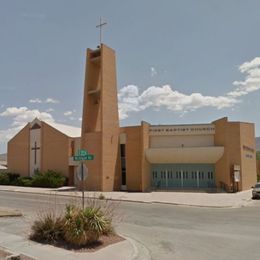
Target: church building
[147, 157]
[220, 154]
[42, 146]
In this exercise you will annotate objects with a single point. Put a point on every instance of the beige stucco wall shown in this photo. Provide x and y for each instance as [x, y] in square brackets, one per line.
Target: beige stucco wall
[181, 141]
[136, 140]
[248, 156]
[100, 123]
[110, 119]
[233, 135]
[133, 157]
[145, 170]
[55, 150]
[18, 152]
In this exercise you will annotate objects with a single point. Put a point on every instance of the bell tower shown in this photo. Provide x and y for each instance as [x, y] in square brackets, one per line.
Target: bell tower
[100, 122]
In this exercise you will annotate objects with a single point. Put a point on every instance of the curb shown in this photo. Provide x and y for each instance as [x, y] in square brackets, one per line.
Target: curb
[51, 192]
[9, 213]
[14, 255]
[140, 252]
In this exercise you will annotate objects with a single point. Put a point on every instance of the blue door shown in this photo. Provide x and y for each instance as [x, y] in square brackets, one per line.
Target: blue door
[183, 176]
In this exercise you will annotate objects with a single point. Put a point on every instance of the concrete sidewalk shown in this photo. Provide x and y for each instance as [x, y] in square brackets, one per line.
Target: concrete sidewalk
[125, 250]
[198, 199]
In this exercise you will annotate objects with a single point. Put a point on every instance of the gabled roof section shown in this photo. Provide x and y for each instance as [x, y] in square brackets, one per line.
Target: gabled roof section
[68, 130]
[35, 124]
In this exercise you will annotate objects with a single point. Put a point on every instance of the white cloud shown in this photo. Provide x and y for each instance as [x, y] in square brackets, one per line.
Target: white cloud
[49, 110]
[46, 101]
[23, 115]
[36, 100]
[249, 65]
[52, 100]
[252, 79]
[156, 97]
[67, 113]
[7, 134]
[153, 72]
[20, 116]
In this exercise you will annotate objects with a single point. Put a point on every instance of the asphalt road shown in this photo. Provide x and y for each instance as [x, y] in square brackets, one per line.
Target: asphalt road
[168, 232]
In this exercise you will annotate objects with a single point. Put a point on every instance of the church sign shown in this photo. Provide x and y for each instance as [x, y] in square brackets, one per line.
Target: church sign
[83, 155]
[207, 129]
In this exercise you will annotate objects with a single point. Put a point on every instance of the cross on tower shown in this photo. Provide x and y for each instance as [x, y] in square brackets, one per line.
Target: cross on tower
[35, 148]
[100, 25]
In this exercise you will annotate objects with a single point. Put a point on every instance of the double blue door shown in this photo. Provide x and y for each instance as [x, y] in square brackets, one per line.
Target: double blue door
[171, 176]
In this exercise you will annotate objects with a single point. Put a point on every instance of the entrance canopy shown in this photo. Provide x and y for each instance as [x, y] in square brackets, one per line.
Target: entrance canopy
[185, 155]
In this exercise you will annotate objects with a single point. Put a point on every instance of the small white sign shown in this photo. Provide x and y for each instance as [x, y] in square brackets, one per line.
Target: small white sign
[82, 172]
[236, 167]
[237, 176]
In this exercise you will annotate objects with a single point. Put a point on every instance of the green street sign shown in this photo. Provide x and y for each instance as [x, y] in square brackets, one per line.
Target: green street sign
[83, 155]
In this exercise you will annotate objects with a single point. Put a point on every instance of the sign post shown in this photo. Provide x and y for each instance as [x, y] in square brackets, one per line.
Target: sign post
[82, 170]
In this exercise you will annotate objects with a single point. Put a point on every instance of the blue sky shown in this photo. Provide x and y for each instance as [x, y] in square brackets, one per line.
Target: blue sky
[177, 61]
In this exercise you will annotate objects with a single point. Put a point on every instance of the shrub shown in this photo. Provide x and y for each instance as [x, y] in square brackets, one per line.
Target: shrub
[49, 228]
[49, 179]
[84, 226]
[76, 226]
[109, 208]
[258, 155]
[7, 178]
[24, 181]
[4, 179]
[13, 178]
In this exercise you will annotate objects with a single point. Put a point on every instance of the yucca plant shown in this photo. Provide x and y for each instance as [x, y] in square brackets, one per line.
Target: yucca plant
[96, 223]
[84, 226]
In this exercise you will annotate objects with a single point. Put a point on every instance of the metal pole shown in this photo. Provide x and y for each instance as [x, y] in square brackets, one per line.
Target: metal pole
[100, 32]
[83, 197]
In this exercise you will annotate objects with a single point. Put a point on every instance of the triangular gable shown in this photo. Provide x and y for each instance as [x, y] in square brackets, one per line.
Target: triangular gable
[35, 126]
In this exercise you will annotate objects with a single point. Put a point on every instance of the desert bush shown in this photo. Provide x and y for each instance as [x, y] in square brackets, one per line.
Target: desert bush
[84, 226]
[76, 227]
[48, 228]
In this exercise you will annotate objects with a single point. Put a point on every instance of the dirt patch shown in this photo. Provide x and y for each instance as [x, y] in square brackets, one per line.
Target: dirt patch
[103, 241]
[3, 254]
